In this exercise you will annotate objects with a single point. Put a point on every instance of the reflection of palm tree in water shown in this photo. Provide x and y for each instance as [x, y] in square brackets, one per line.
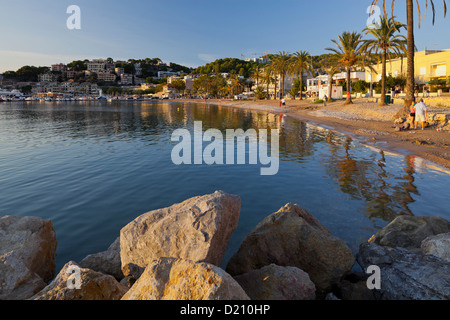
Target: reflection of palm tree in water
[348, 167]
[408, 186]
[383, 200]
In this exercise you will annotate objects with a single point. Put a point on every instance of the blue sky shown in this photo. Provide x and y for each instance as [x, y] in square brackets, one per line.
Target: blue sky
[188, 32]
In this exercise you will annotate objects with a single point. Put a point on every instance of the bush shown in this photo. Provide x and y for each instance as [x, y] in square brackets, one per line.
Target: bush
[259, 93]
[317, 101]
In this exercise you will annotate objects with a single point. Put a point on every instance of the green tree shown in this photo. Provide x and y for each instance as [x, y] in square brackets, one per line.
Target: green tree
[282, 64]
[77, 65]
[349, 54]
[179, 85]
[268, 79]
[301, 63]
[387, 42]
[259, 93]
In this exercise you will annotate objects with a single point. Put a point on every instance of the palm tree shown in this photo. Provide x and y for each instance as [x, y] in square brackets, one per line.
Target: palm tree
[349, 54]
[257, 73]
[281, 64]
[410, 40]
[386, 42]
[301, 62]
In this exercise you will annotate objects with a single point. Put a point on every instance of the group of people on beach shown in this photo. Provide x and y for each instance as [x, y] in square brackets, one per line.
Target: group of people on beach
[418, 113]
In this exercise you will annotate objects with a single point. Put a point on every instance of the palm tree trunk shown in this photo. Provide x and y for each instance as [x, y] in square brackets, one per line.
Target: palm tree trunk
[301, 86]
[349, 94]
[383, 79]
[410, 55]
[301, 83]
[275, 83]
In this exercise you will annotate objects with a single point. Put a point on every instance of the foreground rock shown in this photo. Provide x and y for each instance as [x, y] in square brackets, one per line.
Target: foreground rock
[197, 229]
[27, 256]
[107, 262]
[92, 286]
[180, 279]
[406, 274]
[409, 232]
[277, 283]
[293, 237]
[438, 246]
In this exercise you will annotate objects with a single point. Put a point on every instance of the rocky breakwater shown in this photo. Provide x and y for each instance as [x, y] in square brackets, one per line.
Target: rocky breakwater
[412, 254]
[175, 253]
[293, 239]
[27, 256]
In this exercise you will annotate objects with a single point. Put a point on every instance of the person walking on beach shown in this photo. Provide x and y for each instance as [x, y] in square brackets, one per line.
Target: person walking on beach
[325, 99]
[421, 113]
[412, 113]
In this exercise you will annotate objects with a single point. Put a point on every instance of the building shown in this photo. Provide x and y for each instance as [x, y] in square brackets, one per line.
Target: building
[106, 76]
[163, 74]
[96, 66]
[69, 74]
[126, 78]
[428, 65]
[319, 86]
[189, 81]
[61, 67]
[341, 77]
[138, 69]
[119, 70]
[147, 86]
[47, 77]
[258, 60]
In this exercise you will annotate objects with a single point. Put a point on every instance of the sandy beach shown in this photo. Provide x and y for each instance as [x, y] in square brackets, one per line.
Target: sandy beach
[363, 121]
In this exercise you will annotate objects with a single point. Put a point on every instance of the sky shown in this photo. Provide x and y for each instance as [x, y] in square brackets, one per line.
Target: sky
[187, 32]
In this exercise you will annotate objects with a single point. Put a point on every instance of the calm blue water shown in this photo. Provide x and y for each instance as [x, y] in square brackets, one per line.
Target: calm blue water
[92, 168]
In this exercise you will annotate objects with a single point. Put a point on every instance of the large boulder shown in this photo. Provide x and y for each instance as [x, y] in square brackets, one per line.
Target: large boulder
[407, 274]
[438, 246]
[27, 256]
[107, 262]
[293, 237]
[409, 231]
[197, 229]
[91, 285]
[274, 282]
[180, 279]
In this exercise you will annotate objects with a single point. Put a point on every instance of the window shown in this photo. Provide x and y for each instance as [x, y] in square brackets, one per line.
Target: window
[439, 70]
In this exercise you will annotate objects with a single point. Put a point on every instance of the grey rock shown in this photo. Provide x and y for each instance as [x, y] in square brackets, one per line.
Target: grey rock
[277, 283]
[293, 237]
[407, 274]
[409, 231]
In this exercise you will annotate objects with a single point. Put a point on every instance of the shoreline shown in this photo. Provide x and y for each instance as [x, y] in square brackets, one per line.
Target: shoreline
[428, 144]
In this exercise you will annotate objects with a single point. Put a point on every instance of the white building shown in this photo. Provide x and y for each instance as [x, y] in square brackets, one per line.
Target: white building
[319, 87]
[354, 76]
[47, 77]
[163, 74]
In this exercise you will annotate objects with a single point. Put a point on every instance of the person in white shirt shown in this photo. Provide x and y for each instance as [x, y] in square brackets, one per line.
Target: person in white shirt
[421, 113]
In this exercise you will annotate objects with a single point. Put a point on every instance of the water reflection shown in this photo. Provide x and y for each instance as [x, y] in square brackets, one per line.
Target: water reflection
[364, 175]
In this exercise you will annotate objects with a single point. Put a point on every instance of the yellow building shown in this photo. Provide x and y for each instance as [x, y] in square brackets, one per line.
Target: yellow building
[429, 65]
